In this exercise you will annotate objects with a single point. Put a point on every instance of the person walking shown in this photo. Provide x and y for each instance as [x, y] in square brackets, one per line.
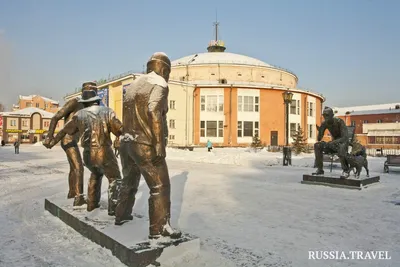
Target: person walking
[16, 146]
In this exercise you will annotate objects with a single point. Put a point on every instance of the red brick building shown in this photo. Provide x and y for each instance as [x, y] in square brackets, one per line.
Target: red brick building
[377, 126]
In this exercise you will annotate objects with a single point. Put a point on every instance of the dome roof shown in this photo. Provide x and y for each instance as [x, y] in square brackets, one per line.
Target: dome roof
[220, 58]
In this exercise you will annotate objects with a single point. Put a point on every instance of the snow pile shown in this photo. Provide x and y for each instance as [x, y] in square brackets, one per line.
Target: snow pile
[238, 156]
[38, 144]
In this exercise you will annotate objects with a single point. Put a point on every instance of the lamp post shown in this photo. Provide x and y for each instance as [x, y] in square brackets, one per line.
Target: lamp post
[287, 152]
[187, 102]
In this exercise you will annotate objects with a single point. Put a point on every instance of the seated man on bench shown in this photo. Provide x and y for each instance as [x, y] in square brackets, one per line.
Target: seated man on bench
[340, 143]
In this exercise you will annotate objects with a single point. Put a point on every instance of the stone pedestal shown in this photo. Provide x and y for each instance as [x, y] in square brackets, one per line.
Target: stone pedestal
[128, 242]
[337, 181]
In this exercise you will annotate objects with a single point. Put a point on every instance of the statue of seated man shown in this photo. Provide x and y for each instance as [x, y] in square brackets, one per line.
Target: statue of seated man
[339, 144]
[95, 124]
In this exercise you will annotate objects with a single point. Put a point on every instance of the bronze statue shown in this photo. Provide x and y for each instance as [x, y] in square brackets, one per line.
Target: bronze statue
[94, 124]
[70, 145]
[142, 148]
[340, 143]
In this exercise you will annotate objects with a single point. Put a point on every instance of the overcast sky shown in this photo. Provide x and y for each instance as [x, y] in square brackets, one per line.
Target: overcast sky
[346, 50]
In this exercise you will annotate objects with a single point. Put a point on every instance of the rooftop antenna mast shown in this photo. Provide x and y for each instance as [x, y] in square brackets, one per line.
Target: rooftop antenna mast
[216, 24]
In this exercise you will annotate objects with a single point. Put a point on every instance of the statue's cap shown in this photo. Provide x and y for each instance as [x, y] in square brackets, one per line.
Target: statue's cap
[161, 57]
[327, 110]
[89, 86]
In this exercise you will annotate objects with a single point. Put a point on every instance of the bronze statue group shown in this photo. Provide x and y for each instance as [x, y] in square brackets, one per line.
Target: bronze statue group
[141, 136]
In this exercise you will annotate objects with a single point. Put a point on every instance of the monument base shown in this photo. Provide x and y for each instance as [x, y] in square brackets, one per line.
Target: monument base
[128, 242]
[338, 181]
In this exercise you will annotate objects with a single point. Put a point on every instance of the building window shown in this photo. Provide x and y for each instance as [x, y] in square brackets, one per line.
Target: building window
[13, 123]
[46, 124]
[256, 103]
[212, 103]
[28, 105]
[248, 103]
[172, 104]
[172, 124]
[311, 131]
[211, 128]
[379, 121]
[37, 105]
[248, 128]
[298, 107]
[25, 123]
[365, 121]
[172, 137]
[293, 129]
[202, 103]
[45, 106]
[220, 103]
[293, 107]
[310, 109]
[353, 123]
[379, 140]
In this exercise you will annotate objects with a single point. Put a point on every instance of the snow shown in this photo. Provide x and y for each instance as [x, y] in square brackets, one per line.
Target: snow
[220, 58]
[30, 97]
[341, 111]
[28, 112]
[245, 207]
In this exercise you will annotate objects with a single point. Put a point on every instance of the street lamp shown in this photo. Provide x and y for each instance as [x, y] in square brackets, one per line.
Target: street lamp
[287, 153]
[187, 105]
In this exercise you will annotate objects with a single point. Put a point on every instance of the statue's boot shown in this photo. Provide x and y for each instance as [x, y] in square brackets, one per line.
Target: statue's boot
[318, 172]
[79, 201]
[159, 213]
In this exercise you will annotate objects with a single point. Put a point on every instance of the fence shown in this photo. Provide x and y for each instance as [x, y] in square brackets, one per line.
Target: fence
[382, 152]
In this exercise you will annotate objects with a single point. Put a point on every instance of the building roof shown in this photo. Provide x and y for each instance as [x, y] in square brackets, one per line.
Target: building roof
[341, 111]
[27, 112]
[220, 58]
[375, 112]
[30, 97]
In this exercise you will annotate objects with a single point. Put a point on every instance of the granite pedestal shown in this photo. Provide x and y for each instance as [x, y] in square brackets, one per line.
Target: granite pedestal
[337, 181]
[129, 242]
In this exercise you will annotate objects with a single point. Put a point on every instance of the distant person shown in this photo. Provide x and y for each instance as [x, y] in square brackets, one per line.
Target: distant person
[16, 146]
[3, 143]
[209, 146]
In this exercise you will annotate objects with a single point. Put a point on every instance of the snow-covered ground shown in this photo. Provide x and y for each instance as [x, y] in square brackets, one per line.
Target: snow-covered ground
[247, 209]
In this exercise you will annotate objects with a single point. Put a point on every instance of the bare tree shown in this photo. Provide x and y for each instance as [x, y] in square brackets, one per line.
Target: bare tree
[2, 107]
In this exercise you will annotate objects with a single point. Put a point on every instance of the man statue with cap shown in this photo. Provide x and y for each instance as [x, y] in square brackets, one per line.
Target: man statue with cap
[142, 147]
[340, 143]
[70, 145]
[95, 124]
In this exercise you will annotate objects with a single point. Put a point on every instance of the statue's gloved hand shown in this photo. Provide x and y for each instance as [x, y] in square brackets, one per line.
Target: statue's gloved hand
[160, 154]
[47, 141]
[51, 144]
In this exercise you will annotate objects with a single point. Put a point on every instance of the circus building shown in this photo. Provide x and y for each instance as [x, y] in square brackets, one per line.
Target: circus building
[228, 98]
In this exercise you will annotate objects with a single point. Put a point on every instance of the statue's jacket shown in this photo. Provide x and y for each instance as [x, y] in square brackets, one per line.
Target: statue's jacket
[145, 108]
[95, 125]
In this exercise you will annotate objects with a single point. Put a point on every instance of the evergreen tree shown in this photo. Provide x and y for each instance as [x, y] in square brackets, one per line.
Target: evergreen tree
[299, 142]
[256, 143]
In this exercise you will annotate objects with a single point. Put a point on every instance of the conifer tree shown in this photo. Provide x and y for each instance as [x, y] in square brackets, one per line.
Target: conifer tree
[299, 142]
[256, 143]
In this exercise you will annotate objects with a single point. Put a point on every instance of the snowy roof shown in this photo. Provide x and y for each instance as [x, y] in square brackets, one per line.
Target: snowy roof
[27, 112]
[341, 111]
[30, 97]
[219, 58]
[375, 112]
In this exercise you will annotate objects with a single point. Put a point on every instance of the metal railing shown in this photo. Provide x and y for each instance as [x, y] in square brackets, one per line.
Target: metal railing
[382, 152]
